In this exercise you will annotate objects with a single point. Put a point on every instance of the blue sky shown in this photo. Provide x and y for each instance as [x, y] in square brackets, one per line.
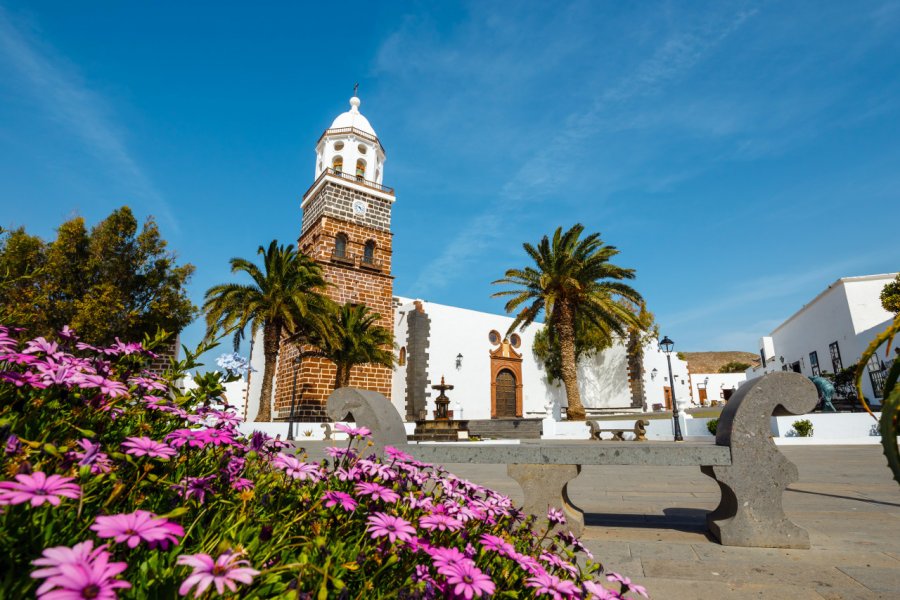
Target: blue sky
[742, 156]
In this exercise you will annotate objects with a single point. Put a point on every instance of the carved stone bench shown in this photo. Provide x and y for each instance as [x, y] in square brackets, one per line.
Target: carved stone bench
[751, 472]
[639, 431]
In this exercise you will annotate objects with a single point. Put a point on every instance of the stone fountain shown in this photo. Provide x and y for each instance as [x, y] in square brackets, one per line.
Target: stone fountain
[443, 427]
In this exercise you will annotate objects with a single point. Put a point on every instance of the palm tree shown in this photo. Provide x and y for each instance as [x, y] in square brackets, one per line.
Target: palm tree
[352, 337]
[572, 281]
[285, 298]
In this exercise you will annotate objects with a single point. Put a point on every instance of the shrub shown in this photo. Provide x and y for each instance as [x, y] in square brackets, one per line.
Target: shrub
[712, 425]
[734, 366]
[803, 427]
[142, 487]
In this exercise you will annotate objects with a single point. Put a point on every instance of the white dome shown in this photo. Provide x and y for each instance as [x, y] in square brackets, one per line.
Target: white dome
[353, 118]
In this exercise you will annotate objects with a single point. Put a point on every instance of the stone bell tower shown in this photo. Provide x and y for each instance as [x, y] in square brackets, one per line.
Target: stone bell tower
[346, 228]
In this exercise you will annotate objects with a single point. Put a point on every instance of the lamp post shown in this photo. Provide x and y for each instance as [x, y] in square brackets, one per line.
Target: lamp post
[666, 345]
[290, 435]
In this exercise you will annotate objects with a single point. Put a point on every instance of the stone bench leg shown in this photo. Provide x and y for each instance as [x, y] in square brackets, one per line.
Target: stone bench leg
[750, 512]
[545, 486]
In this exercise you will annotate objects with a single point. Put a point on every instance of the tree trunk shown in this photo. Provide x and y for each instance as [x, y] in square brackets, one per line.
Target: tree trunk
[564, 322]
[271, 341]
[346, 379]
[338, 376]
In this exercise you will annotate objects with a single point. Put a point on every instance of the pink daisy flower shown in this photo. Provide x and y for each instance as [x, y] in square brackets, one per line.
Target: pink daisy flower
[144, 446]
[395, 454]
[192, 437]
[394, 528]
[38, 488]
[556, 517]
[440, 522]
[377, 491]
[345, 500]
[552, 586]
[598, 592]
[446, 559]
[353, 431]
[468, 581]
[222, 572]
[139, 526]
[297, 469]
[627, 584]
[497, 544]
[78, 572]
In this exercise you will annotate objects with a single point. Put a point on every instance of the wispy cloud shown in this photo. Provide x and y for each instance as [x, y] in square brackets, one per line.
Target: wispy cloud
[57, 87]
[550, 163]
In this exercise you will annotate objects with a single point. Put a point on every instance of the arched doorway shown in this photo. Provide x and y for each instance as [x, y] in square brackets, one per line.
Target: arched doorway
[506, 394]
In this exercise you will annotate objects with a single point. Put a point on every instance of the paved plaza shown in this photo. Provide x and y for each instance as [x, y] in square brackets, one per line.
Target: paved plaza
[649, 523]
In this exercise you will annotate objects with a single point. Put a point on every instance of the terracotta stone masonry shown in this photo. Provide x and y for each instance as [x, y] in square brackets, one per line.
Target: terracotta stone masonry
[354, 278]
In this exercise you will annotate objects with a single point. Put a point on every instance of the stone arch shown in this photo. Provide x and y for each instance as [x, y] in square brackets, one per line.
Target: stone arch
[341, 243]
[506, 382]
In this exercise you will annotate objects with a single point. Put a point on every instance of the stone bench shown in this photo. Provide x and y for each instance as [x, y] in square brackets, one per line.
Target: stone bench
[751, 472]
[639, 430]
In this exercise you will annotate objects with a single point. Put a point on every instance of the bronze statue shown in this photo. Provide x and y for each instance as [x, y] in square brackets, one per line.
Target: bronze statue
[826, 392]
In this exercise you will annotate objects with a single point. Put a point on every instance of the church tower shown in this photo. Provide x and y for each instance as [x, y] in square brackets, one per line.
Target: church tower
[346, 228]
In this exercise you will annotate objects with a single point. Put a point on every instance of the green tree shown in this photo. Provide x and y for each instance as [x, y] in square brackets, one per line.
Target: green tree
[890, 296]
[112, 281]
[572, 280]
[285, 298]
[734, 366]
[351, 337]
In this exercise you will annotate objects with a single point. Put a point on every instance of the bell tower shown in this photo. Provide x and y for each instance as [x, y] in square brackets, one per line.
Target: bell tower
[346, 228]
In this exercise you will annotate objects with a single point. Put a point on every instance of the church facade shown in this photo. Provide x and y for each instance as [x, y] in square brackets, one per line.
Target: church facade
[346, 228]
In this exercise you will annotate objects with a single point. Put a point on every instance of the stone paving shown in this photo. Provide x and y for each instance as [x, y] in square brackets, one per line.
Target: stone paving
[649, 523]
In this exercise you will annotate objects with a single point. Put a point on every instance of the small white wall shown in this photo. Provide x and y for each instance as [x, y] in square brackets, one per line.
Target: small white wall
[258, 362]
[826, 426]
[716, 384]
[654, 391]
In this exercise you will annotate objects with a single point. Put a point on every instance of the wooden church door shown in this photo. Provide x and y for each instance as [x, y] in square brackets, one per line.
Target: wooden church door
[506, 395]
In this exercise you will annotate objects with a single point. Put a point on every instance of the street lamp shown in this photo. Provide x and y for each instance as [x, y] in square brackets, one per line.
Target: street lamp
[666, 345]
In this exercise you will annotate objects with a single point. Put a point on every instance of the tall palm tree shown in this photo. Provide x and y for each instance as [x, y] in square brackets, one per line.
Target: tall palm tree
[571, 279]
[285, 298]
[351, 337]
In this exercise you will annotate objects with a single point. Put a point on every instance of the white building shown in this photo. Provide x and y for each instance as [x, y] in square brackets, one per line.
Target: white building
[831, 332]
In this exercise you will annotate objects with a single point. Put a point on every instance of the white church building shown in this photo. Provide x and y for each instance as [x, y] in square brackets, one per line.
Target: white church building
[494, 376]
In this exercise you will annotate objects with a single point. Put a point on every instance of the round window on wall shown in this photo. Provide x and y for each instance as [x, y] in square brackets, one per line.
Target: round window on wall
[362, 149]
[515, 340]
[339, 145]
[494, 337]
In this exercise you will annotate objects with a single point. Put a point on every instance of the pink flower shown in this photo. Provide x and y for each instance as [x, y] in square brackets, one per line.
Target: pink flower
[468, 581]
[446, 559]
[626, 584]
[556, 517]
[144, 446]
[440, 522]
[78, 572]
[38, 488]
[240, 484]
[497, 544]
[598, 592]
[139, 526]
[107, 386]
[345, 500]
[552, 586]
[297, 469]
[195, 487]
[395, 454]
[194, 438]
[224, 571]
[216, 437]
[394, 528]
[353, 431]
[377, 491]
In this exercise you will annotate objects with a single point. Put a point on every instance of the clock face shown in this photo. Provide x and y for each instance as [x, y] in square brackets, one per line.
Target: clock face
[360, 207]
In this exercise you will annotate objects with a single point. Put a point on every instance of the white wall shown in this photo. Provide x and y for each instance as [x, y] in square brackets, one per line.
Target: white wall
[849, 312]
[654, 392]
[603, 378]
[716, 384]
[258, 362]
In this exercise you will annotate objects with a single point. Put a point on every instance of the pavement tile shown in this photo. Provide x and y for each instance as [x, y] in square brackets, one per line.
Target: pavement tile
[715, 552]
[823, 579]
[883, 580]
[681, 589]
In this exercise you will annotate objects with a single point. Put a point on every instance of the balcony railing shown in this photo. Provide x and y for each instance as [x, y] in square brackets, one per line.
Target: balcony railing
[343, 257]
[367, 262]
[354, 131]
[355, 179]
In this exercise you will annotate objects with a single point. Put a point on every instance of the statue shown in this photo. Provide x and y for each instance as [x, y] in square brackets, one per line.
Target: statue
[826, 392]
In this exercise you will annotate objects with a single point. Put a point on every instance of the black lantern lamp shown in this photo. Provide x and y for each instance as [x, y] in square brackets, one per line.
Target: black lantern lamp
[667, 345]
[459, 358]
